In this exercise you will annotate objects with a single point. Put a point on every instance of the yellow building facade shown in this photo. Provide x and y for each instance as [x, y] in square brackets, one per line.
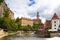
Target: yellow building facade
[26, 22]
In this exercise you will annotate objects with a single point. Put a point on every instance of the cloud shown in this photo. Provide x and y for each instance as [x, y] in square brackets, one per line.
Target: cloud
[58, 11]
[29, 8]
[31, 3]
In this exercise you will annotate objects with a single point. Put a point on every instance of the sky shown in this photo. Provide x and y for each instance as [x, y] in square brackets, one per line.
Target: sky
[29, 8]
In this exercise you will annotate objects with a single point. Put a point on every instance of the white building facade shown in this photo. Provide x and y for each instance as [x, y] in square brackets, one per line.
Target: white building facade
[55, 22]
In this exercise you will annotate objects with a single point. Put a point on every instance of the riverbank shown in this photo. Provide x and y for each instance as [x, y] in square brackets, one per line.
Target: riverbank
[2, 33]
[28, 34]
[17, 33]
[25, 33]
[12, 32]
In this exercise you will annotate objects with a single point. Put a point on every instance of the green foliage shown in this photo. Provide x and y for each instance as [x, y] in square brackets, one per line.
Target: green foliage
[3, 23]
[1, 1]
[6, 13]
[35, 26]
[17, 19]
[19, 25]
[13, 25]
[24, 28]
[18, 22]
[7, 23]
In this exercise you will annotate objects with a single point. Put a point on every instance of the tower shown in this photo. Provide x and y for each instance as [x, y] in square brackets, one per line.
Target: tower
[37, 20]
[38, 15]
[55, 22]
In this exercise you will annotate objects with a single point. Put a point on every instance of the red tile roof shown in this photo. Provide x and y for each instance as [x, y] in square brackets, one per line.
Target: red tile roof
[55, 16]
[36, 19]
[44, 26]
[26, 19]
[48, 23]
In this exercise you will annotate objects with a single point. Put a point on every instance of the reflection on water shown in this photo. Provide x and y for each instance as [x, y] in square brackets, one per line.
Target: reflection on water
[22, 38]
[27, 38]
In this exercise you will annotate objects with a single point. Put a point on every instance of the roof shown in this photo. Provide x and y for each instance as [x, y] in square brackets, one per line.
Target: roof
[47, 24]
[36, 19]
[44, 26]
[55, 16]
[26, 19]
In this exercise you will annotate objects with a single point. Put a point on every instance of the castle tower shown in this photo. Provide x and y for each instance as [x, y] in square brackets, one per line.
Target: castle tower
[37, 20]
[38, 15]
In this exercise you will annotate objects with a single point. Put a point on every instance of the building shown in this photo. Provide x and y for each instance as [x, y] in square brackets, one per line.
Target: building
[4, 7]
[52, 25]
[55, 21]
[48, 24]
[31, 22]
[26, 22]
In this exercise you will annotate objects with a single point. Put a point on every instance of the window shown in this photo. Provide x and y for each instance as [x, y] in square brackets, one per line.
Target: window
[55, 25]
[54, 21]
[54, 28]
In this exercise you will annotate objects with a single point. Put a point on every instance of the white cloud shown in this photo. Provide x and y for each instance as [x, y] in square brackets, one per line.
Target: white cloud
[21, 8]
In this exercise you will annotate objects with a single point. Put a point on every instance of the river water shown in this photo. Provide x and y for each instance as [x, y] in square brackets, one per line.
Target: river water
[28, 38]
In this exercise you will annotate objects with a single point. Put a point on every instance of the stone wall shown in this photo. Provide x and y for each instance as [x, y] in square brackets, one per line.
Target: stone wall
[53, 34]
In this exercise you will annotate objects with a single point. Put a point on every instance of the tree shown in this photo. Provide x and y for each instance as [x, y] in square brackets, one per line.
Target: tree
[7, 23]
[1, 1]
[17, 19]
[25, 28]
[18, 22]
[35, 26]
[3, 23]
[13, 25]
[6, 13]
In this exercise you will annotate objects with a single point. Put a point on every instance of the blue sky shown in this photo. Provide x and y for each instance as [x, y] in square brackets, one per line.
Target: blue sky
[29, 8]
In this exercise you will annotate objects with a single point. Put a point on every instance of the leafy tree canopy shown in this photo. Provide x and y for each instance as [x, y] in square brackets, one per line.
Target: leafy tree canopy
[1, 1]
[6, 13]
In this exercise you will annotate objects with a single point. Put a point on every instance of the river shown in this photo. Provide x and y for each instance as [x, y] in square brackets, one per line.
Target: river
[28, 38]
